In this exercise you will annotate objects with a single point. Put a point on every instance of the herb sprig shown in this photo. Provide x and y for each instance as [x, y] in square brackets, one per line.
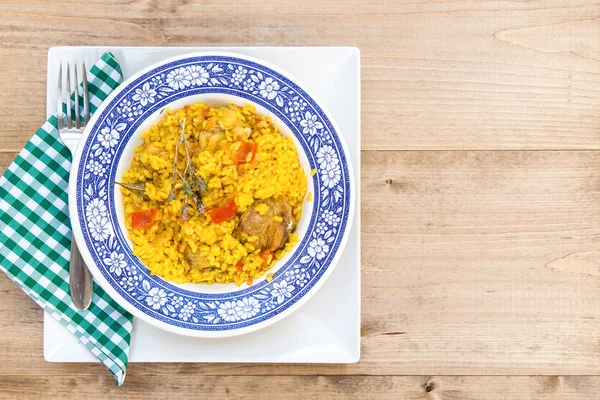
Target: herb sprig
[194, 186]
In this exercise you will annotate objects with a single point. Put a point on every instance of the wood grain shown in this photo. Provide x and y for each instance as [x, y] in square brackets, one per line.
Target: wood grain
[474, 262]
[436, 75]
[480, 193]
[302, 387]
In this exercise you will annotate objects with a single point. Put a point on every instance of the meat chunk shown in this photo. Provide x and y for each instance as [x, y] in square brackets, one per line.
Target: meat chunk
[239, 132]
[273, 227]
[212, 141]
[228, 118]
[143, 159]
[154, 150]
[196, 261]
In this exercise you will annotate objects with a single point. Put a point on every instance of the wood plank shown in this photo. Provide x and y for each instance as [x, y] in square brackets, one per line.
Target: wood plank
[436, 75]
[481, 259]
[302, 387]
[474, 262]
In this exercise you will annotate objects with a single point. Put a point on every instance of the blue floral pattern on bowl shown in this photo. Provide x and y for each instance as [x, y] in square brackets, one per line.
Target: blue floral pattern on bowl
[107, 243]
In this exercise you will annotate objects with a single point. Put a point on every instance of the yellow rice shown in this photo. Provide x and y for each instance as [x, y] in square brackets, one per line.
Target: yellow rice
[277, 172]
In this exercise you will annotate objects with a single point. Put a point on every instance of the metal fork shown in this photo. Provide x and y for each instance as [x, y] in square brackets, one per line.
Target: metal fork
[80, 279]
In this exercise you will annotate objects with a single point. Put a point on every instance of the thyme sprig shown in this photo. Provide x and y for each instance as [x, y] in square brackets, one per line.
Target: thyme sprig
[194, 186]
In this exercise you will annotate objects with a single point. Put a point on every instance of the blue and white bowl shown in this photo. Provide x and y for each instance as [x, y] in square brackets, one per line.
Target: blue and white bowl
[106, 150]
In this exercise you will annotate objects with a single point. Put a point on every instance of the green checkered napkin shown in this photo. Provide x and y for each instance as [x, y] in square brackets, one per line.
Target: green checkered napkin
[35, 234]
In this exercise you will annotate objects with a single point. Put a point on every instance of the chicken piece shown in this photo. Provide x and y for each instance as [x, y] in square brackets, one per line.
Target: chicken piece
[148, 150]
[272, 233]
[240, 132]
[196, 261]
[228, 118]
[212, 141]
[154, 150]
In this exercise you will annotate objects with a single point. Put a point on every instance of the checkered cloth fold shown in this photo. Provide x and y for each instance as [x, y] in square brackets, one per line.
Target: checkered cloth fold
[35, 234]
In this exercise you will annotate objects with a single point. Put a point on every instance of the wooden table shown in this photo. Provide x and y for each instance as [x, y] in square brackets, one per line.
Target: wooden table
[480, 193]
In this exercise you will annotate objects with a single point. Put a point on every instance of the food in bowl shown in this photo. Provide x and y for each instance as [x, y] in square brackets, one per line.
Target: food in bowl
[213, 194]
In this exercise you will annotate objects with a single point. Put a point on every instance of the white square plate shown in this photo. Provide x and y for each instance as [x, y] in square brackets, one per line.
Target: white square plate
[327, 328]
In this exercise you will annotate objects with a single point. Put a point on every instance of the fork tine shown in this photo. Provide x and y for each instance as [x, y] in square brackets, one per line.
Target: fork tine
[68, 93]
[77, 122]
[59, 99]
[86, 96]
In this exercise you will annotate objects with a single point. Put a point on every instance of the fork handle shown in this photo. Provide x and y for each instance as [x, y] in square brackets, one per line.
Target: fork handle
[80, 279]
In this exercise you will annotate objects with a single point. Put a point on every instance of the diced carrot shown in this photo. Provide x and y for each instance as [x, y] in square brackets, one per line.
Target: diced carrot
[250, 281]
[239, 266]
[246, 153]
[224, 212]
[143, 219]
[267, 256]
